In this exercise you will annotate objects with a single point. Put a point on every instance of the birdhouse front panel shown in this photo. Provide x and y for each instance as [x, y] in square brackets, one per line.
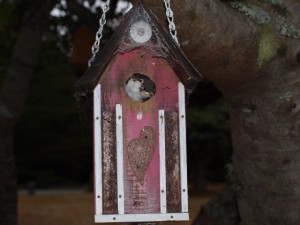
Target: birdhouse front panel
[141, 166]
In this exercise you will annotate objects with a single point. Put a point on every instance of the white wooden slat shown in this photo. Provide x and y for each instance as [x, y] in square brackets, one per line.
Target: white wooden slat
[183, 157]
[142, 217]
[97, 150]
[162, 157]
[120, 173]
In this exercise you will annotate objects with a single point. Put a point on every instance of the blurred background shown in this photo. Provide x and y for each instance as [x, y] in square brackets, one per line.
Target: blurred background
[52, 148]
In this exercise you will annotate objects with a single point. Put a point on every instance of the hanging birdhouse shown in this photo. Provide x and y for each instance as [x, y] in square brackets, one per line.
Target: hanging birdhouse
[138, 83]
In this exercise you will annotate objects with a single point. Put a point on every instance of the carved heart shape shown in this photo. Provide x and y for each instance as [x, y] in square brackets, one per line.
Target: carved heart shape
[140, 152]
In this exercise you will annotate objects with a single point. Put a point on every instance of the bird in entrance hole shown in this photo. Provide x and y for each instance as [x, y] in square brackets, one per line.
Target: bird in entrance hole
[140, 88]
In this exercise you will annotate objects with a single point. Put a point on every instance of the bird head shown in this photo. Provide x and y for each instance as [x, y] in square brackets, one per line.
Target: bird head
[140, 87]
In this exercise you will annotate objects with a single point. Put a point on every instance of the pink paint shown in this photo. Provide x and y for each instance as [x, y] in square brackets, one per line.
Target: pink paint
[140, 198]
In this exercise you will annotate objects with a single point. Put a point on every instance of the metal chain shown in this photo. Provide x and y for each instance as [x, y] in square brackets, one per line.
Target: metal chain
[102, 22]
[170, 17]
[99, 34]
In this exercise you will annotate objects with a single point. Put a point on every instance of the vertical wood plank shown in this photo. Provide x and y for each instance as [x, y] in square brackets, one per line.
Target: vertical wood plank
[109, 163]
[97, 150]
[142, 196]
[182, 140]
[119, 134]
[162, 157]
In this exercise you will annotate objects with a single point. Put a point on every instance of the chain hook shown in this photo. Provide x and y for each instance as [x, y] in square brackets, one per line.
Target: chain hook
[170, 18]
[99, 34]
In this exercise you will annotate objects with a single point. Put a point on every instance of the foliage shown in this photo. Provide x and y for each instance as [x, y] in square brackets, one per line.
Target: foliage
[10, 21]
[208, 138]
[49, 143]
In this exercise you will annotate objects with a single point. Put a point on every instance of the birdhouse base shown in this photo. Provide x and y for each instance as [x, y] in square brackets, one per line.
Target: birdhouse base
[142, 217]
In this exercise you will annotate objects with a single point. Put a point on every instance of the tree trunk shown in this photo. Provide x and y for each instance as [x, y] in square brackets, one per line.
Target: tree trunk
[12, 99]
[251, 51]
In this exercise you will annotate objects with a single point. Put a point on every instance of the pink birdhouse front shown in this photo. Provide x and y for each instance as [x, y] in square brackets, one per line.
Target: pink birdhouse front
[139, 83]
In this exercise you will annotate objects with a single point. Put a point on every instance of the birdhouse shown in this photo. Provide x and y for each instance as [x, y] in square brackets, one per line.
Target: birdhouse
[136, 89]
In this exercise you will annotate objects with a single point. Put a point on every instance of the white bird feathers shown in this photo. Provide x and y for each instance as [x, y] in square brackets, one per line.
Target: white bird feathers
[140, 88]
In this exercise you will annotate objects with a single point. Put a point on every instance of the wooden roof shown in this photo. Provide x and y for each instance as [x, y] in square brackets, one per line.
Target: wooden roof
[161, 44]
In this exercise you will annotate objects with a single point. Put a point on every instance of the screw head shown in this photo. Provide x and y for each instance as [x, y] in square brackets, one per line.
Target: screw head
[98, 196]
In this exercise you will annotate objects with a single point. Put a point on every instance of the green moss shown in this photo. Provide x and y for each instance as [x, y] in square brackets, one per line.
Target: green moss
[286, 29]
[277, 2]
[268, 46]
[287, 96]
[253, 12]
[262, 17]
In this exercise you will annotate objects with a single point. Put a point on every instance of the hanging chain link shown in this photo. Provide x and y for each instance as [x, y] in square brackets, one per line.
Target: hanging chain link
[99, 34]
[170, 17]
[102, 22]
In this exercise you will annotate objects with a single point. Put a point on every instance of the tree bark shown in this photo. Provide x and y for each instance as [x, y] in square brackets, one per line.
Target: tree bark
[12, 99]
[251, 51]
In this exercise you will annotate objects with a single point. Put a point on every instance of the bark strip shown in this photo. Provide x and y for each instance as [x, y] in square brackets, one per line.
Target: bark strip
[110, 192]
[172, 163]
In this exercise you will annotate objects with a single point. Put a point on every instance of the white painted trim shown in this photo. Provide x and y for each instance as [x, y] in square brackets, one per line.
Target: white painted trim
[98, 150]
[142, 217]
[182, 138]
[120, 169]
[162, 157]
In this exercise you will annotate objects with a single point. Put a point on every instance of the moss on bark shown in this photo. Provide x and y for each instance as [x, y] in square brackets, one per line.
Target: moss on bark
[268, 45]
